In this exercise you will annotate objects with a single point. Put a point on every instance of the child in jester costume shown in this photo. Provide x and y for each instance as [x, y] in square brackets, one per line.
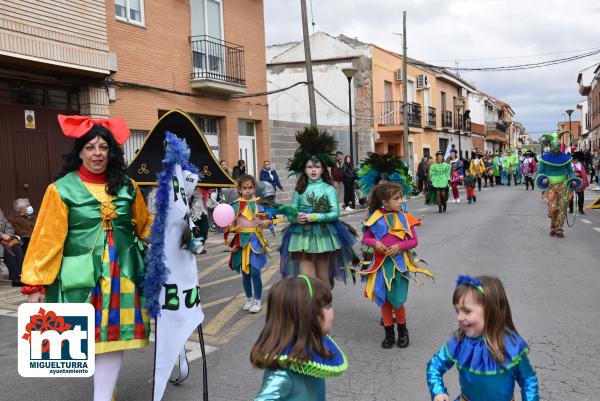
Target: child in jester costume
[248, 246]
[553, 170]
[389, 239]
[316, 243]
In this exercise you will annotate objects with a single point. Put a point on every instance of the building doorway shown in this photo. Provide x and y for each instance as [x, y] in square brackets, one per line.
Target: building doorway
[247, 144]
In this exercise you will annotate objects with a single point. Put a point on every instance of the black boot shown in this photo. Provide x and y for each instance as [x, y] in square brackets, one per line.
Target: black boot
[402, 335]
[439, 209]
[388, 341]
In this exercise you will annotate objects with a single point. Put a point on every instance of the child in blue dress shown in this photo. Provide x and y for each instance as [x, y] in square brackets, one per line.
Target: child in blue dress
[294, 348]
[486, 348]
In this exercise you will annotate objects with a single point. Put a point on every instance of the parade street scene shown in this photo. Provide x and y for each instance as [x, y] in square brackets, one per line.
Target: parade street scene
[295, 200]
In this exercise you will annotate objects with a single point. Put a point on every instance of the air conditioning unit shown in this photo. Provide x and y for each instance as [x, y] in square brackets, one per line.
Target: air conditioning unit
[399, 75]
[462, 92]
[422, 81]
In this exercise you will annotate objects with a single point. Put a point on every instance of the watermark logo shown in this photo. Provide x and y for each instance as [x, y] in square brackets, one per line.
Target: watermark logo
[56, 340]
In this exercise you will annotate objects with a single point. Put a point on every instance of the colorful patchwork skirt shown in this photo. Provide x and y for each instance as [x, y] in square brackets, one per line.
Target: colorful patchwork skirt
[312, 241]
[121, 321]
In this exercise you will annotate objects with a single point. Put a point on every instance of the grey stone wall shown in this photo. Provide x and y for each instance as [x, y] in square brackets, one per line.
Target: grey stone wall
[283, 146]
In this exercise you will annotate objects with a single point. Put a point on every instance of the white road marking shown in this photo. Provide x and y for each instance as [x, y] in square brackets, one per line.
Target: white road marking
[422, 210]
[585, 221]
[597, 229]
[7, 312]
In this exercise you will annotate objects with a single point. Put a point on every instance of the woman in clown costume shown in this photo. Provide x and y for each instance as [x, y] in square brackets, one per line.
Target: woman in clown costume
[86, 245]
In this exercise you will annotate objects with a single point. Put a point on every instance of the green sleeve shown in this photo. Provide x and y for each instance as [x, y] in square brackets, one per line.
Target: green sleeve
[295, 204]
[541, 169]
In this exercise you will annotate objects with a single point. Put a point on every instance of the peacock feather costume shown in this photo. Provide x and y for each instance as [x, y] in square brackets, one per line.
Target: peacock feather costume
[323, 235]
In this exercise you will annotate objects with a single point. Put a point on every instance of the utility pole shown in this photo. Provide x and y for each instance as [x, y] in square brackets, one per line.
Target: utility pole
[309, 77]
[405, 90]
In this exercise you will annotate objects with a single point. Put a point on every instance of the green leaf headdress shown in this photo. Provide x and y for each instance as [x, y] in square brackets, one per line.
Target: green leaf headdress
[314, 144]
[376, 168]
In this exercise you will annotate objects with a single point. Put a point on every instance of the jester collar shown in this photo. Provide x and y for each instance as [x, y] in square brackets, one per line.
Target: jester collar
[396, 223]
[560, 159]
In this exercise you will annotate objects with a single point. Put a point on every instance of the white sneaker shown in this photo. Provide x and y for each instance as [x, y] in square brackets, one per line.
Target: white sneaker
[458, 200]
[348, 208]
[256, 307]
[249, 303]
[453, 200]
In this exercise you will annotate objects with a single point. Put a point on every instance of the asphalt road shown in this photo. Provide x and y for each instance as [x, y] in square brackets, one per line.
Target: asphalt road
[551, 284]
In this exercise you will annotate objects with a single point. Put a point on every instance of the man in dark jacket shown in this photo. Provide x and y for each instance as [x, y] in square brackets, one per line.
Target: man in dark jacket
[269, 175]
[336, 174]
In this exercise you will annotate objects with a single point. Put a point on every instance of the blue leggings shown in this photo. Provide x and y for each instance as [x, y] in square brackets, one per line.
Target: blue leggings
[254, 276]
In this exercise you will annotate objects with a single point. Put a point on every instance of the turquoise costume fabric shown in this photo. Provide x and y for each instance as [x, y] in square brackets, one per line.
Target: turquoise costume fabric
[555, 167]
[303, 381]
[324, 234]
[481, 377]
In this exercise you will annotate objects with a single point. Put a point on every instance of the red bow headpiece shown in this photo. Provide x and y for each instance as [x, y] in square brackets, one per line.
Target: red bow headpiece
[78, 126]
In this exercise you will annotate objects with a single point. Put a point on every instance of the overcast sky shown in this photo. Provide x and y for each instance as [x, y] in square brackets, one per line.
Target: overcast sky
[441, 31]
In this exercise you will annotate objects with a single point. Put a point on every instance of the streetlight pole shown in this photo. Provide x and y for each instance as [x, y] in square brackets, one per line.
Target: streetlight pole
[458, 104]
[309, 76]
[405, 91]
[349, 73]
[569, 112]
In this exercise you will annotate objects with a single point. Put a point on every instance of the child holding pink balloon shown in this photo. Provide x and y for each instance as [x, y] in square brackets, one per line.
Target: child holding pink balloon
[248, 246]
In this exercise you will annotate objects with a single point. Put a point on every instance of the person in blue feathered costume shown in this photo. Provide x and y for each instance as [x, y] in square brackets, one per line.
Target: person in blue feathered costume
[487, 350]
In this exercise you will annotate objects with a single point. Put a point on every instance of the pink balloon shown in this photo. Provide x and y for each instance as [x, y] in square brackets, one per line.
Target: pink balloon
[223, 215]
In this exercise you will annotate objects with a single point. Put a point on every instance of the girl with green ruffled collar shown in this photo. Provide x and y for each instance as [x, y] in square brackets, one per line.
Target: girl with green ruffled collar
[294, 347]
[486, 348]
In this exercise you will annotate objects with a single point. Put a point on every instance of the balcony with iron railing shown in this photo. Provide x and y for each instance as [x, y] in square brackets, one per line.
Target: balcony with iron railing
[430, 118]
[217, 65]
[391, 113]
[495, 126]
[446, 119]
[462, 123]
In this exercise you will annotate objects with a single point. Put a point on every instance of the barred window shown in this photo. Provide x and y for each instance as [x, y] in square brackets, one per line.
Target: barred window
[134, 144]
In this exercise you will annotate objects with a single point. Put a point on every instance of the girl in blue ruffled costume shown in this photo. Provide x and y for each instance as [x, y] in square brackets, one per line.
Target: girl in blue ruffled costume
[316, 243]
[294, 347]
[486, 348]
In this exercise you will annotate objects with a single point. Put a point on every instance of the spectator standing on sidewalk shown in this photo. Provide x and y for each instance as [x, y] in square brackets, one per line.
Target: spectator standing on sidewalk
[269, 175]
[23, 220]
[239, 170]
[422, 173]
[348, 178]
[336, 174]
[10, 248]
